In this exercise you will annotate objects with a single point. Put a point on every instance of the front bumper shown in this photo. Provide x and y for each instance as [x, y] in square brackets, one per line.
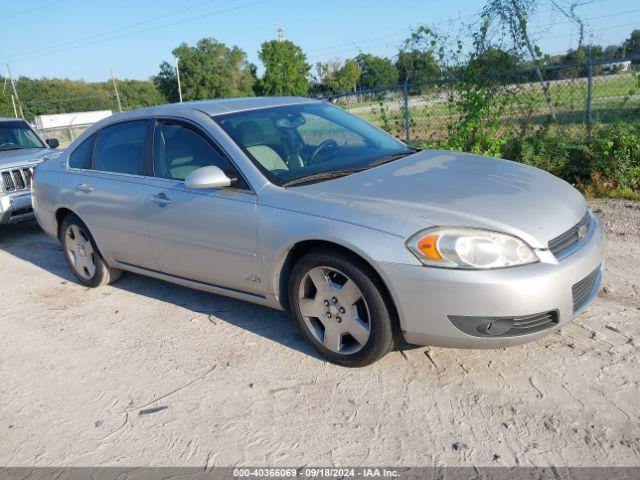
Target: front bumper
[428, 298]
[15, 208]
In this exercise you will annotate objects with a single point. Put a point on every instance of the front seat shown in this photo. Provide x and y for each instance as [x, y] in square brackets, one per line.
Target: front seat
[251, 137]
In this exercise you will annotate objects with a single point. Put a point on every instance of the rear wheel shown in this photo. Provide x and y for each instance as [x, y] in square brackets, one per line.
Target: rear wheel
[82, 255]
[341, 308]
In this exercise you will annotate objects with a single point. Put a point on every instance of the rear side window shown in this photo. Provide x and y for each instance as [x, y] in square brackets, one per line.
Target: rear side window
[119, 148]
[81, 156]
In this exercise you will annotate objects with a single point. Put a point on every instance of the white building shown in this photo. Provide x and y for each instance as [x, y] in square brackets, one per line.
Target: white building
[76, 119]
[616, 67]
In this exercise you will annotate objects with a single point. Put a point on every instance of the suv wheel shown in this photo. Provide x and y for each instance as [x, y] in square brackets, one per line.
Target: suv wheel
[341, 310]
[83, 256]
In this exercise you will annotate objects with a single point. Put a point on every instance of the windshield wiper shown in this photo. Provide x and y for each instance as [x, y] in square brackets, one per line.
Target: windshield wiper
[393, 156]
[323, 176]
[349, 171]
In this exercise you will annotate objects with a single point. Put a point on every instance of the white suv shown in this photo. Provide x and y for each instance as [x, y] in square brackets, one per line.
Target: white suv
[20, 150]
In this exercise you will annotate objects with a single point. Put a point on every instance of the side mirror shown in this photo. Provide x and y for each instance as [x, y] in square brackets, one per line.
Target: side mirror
[207, 177]
[52, 142]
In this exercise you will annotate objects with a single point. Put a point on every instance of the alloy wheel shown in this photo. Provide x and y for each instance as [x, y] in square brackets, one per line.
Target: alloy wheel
[334, 310]
[80, 252]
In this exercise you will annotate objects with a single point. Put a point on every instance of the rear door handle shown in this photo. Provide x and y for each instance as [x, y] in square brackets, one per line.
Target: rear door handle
[161, 199]
[84, 187]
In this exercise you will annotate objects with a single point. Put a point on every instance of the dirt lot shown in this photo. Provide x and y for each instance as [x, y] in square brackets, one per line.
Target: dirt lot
[147, 373]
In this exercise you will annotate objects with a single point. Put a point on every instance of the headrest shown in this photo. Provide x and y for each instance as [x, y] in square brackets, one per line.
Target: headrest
[249, 134]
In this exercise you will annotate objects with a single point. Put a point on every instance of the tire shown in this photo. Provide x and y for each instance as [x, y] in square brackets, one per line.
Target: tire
[319, 309]
[82, 254]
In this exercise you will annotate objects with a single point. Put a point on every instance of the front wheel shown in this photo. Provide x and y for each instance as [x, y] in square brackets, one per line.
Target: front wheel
[341, 308]
[83, 256]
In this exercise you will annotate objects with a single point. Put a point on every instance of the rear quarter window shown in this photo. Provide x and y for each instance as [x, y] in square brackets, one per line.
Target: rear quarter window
[81, 156]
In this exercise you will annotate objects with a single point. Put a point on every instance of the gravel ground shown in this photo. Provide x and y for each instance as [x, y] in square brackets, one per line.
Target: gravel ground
[147, 373]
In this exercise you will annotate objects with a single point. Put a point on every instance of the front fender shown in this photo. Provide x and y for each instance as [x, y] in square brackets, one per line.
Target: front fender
[279, 231]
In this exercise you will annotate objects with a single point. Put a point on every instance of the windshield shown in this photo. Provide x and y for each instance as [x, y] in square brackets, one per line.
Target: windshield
[293, 143]
[18, 135]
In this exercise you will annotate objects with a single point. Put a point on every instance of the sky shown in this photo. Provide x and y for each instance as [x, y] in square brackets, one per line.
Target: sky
[86, 39]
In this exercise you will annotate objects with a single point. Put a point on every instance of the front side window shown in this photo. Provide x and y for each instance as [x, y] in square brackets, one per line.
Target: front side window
[178, 150]
[17, 135]
[296, 144]
[119, 148]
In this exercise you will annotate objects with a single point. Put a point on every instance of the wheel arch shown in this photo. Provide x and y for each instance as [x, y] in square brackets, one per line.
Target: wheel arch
[61, 214]
[302, 247]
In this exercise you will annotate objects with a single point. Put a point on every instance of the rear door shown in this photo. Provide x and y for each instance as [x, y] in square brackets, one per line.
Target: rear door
[111, 188]
[204, 235]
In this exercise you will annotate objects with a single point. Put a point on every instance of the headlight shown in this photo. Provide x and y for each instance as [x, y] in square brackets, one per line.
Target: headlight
[469, 248]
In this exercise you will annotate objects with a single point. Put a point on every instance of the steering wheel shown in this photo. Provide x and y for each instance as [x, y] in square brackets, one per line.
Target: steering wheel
[6, 143]
[323, 146]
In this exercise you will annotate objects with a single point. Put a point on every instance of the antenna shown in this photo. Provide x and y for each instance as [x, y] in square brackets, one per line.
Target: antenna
[280, 34]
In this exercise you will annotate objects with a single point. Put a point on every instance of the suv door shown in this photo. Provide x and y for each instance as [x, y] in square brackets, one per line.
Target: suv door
[111, 190]
[208, 236]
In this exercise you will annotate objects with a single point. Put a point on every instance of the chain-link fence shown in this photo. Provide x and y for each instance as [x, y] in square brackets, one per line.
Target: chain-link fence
[575, 97]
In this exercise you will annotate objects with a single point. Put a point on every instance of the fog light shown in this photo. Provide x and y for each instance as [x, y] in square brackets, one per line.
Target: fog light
[495, 327]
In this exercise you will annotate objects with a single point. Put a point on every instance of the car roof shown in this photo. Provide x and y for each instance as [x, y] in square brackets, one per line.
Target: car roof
[227, 105]
[214, 107]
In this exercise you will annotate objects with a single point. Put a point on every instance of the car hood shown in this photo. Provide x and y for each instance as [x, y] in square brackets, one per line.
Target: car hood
[18, 158]
[442, 188]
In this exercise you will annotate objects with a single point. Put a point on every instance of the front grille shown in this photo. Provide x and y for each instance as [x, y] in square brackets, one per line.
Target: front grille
[7, 181]
[560, 245]
[534, 323]
[585, 289]
[17, 179]
[28, 174]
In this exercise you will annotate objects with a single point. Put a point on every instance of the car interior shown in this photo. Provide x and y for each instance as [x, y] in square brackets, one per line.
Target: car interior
[282, 144]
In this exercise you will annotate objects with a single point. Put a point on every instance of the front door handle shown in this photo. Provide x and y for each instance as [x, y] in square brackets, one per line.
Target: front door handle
[84, 187]
[161, 199]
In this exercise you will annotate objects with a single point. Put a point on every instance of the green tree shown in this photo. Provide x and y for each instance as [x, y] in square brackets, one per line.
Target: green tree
[417, 65]
[167, 82]
[209, 69]
[6, 109]
[55, 95]
[376, 72]
[348, 76]
[580, 56]
[334, 76]
[139, 93]
[286, 69]
[631, 46]
[494, 64]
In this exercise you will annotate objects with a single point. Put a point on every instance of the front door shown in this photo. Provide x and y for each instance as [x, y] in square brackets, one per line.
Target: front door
[208, 235]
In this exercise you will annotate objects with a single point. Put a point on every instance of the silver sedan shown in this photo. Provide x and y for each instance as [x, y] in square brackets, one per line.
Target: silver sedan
[297, 205]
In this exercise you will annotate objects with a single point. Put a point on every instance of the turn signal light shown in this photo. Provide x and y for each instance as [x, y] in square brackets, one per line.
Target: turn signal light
[429, 247]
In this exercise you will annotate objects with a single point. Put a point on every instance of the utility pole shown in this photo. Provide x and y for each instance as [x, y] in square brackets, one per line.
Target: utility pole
[115, 89]
[15, 93]
[525, 34]
[178, 77]
[280, 34]
[13, 101]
